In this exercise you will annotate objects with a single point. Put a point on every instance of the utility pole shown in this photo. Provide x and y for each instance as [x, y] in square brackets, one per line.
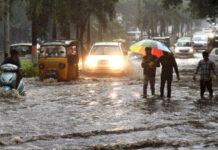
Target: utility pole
[6, 28]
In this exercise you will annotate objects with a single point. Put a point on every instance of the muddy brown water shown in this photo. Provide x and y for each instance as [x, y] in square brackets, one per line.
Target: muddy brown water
[108, 113]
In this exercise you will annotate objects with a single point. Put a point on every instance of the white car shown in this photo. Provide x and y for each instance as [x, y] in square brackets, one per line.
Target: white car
[24, 50]
[184, 48]
[214, 57]
[107, 57]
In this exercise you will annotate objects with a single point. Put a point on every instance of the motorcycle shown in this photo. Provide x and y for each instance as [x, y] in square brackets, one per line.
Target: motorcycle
[8, 79]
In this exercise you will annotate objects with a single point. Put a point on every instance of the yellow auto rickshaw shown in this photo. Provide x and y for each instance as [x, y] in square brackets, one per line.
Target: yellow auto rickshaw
[212, 42]
[59, 60]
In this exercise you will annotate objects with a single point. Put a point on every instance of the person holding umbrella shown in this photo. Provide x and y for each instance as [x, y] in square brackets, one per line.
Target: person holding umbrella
[149, 64]
[152, 50]
[168, 62]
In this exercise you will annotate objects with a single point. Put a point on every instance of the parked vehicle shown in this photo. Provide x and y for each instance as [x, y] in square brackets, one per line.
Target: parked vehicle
[107, 57]
[184, 48]
[8, 79]
[59, 60]
[185, 39]
[24, 50]
[212, 42]
[214, 56]
[133, 35]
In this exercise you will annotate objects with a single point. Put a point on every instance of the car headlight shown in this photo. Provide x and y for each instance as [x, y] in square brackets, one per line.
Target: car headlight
[176, 50]
[117, 63]
[41, 66]
[62, 65]
[91, 62]
[191, 50]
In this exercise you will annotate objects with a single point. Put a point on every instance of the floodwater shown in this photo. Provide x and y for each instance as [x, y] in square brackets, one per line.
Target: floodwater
[109, 113]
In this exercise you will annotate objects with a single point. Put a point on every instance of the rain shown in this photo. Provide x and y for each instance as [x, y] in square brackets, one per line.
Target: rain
[91, 110]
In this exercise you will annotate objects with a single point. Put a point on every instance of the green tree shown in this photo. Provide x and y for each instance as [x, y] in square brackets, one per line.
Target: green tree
[198, 8]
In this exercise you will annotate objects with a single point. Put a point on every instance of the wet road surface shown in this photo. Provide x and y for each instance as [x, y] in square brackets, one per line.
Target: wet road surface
[109, 113]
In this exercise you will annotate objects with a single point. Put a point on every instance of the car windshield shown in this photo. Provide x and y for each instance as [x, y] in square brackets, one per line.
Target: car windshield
[216, 52]
[184, 44]
[106, 50]
[53, 51]
[200, 38]
[22, 49]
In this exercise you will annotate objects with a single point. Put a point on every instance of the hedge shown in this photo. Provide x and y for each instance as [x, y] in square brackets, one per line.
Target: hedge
[29, 70]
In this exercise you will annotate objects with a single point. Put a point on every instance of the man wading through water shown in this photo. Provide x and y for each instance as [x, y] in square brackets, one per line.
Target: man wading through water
[149, 64]
[205, 66]
[168, 62]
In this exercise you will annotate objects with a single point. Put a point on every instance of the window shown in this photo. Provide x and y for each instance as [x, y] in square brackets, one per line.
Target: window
[106, 50]
[184, 44]
[53, 51]
[216, 51]
[23, 49]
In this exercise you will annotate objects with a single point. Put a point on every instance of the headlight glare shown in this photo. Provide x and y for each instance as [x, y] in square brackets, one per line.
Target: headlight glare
[116, 63]
[91, 62]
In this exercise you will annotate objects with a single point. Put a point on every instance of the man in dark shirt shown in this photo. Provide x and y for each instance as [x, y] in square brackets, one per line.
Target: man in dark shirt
[149, 64]
[168, 62]
[14, 59]
[205, 66]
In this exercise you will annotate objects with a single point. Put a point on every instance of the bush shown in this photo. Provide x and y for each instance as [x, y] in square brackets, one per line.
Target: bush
[29, 70]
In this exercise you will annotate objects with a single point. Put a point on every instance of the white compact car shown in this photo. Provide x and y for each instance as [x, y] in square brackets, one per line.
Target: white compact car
[184, 48]
[214, 57]
[25, 51]
[107, 57]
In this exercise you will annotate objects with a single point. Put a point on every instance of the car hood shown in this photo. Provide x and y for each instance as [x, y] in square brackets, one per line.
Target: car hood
[183, 48]
[105, 57]
[200, 42]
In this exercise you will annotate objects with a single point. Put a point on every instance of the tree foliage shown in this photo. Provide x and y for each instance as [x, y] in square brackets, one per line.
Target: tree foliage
[198, 8]
[205, 8]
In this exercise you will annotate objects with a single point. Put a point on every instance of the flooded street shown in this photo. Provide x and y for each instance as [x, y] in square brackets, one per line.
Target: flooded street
[109, 113]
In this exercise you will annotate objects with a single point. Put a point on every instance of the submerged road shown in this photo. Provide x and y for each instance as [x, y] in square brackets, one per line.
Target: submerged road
[109, 113]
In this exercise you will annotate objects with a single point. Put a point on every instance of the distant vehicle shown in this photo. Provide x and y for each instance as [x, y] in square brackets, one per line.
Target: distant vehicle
[59, 59]
[207, 30]
[185, 39]
[212, 42]
[165, 40]
[133, 35]
[214, 57]
[107, 57]
[184, 48]
[200, 42]
[24, 50]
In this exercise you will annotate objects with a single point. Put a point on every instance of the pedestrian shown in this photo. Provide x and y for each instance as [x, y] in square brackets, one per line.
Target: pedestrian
[168, 62]
[14, 59]
[206, 66]
[149, 64]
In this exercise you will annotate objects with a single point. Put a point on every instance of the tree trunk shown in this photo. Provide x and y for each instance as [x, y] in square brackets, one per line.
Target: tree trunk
[81, 33]
[181, 29]
[34, 39]
[6, 28]
[88, 35]
[54, 30]
[100, 32]
[77, 32]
